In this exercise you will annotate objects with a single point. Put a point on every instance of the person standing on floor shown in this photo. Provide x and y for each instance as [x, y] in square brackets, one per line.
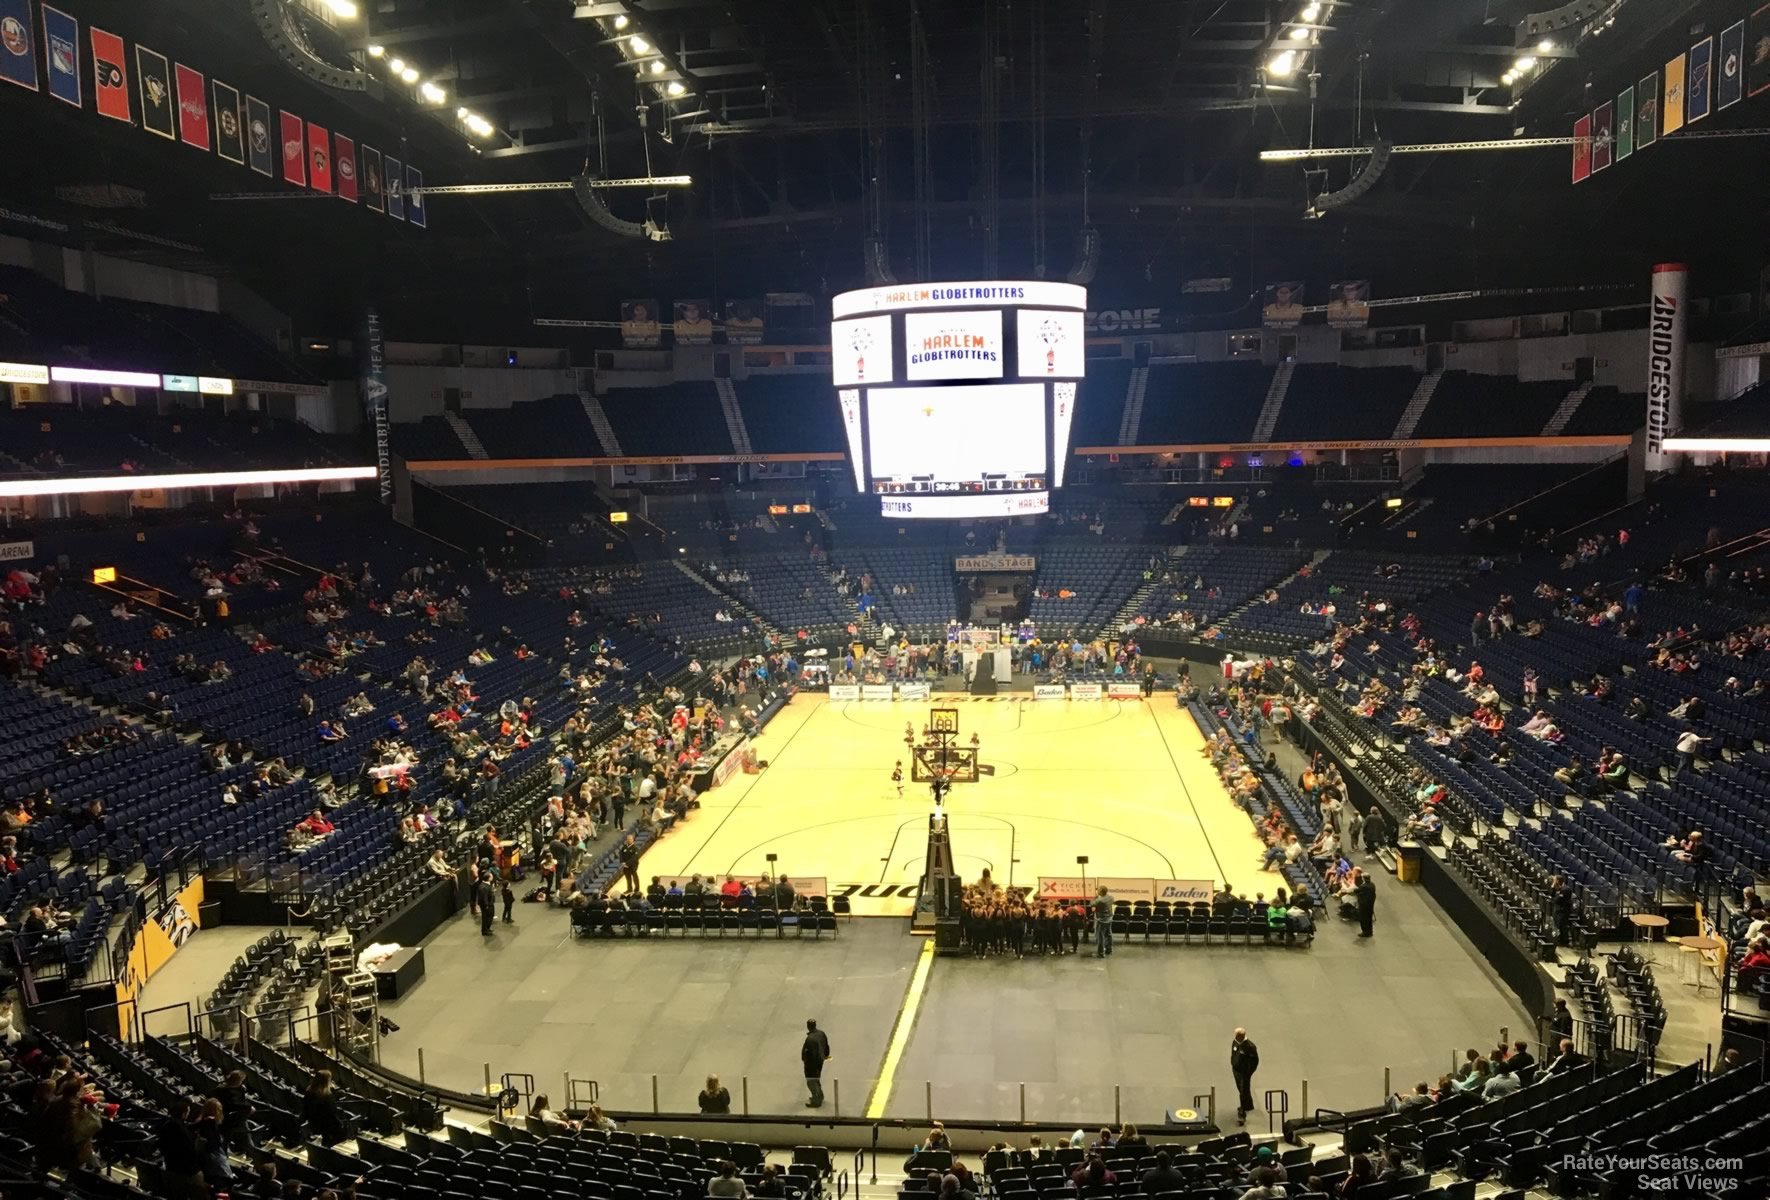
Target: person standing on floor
[1244, 1060]
[813, 1054]
[1102, 913]
[484, 899]
[1366, 895]
[630, 864]
[508, 895]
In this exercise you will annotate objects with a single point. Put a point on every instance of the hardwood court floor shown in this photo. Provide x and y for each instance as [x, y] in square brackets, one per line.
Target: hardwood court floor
[1122, 782]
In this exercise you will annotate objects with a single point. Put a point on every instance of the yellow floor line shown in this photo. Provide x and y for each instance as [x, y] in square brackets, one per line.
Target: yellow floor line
[900, 1033]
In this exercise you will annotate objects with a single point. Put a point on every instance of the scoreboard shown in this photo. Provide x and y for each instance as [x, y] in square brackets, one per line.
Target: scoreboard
[957, 398]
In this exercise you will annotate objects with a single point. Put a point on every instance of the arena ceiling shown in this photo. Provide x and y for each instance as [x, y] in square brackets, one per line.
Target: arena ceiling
[941, 136]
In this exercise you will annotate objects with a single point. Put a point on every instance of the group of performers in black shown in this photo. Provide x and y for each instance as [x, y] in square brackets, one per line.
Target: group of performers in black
[997, 921]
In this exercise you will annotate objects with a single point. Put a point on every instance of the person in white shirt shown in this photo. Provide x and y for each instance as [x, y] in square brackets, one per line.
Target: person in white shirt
[1688, 746]
[439, 866]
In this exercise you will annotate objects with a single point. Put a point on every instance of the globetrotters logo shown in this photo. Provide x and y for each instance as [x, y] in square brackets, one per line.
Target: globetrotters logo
[860, 340]
[1051, 333]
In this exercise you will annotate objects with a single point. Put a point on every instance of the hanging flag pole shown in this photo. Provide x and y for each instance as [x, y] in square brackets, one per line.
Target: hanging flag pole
[1304, 153]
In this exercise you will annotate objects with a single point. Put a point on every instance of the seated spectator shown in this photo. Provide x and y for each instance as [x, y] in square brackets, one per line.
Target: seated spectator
[715, 1099]
[316, 824]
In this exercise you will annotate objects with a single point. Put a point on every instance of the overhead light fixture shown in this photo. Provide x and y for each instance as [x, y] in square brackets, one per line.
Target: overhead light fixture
[461, 113]
[431, 92]
[1545, 47]
[1508, 77]
[657, 66]
[1311, 13]
[396, 65]
[621, 21]
[342, 8]
[1284, 63]
[675, 88]
[478, 125]
[639, 45]
[410, 74]
[1299, 33]
[377, 51]
[1524, 64]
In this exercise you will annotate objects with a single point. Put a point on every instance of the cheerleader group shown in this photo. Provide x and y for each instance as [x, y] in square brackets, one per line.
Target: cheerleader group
[1002, 922]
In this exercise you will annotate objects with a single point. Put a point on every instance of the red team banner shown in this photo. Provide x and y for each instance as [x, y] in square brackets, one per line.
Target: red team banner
[193, 107]
[1582, 148]
[294, 150]
[319, 158]
[344, 166]
[110, 75]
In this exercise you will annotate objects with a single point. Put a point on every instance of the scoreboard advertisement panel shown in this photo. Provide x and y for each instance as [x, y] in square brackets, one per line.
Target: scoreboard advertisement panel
[957, 398]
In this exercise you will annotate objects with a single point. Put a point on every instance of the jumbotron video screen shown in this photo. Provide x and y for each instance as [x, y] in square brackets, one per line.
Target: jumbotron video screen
[957, 398]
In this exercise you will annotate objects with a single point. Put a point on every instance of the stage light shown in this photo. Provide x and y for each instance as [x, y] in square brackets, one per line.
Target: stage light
[377, 51]
[1508, 77]
[1311, 12]
[1298, 33]
[461, 113]
[1284, 63]
[657, 66]
[342, 8]
[397, 65]
[410, 74]
[1524, 64]
[1545, 47]
[478, 125]
[621, 21]
[432, 92]
[639, 45]
[675, 88]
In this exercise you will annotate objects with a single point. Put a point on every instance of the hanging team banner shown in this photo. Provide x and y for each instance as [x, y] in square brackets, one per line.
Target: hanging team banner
[393, 186]
[369, 167]
[294, 148]
[258, 139]
[415, 207]
[61, 49]
[319, 158]
[193, 107]
[230, 138]
[1647, 110]
[18, 44]
[1757, 57]
[1582, 148]
[1625, 123]
[1603, 134]
[156, 92]
[1697, 85]
[1671, 113]
[743, 323]
[1730, 79]
[110, 75]
[1349, 307]
[693, 327]
[344, 163]
[1283, 304]
[639, 324]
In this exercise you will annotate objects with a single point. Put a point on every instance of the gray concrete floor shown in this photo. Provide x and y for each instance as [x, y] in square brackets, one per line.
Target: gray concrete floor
[530, 999]
[190, 976]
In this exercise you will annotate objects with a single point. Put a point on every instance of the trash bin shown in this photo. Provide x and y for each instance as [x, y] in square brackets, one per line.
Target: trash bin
[1407, 865]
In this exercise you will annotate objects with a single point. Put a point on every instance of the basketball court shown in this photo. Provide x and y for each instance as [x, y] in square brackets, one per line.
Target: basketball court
[1122, 782]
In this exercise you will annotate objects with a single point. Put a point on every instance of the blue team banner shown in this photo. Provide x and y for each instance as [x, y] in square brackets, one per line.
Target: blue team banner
[1730, 79]
[18, 44]
[415, 197]
[61, 48]
[395, 176]
[1699, 84]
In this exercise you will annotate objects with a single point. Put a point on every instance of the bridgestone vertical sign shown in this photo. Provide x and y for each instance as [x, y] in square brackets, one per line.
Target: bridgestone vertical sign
[1666, 340]
[373, 379]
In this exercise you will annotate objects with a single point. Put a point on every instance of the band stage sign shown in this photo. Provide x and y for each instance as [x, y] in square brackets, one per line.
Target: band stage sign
[978, 564]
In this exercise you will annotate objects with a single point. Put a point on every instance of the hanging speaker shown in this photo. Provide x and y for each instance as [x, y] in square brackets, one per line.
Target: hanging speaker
[282, 31]
[583, 187]
[1361, 183]
[878, 261]
[1568, 16]
[1087, 257]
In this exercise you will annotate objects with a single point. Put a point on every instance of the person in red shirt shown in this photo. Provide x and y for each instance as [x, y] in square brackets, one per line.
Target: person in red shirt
[730, 890]
[316, 824]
